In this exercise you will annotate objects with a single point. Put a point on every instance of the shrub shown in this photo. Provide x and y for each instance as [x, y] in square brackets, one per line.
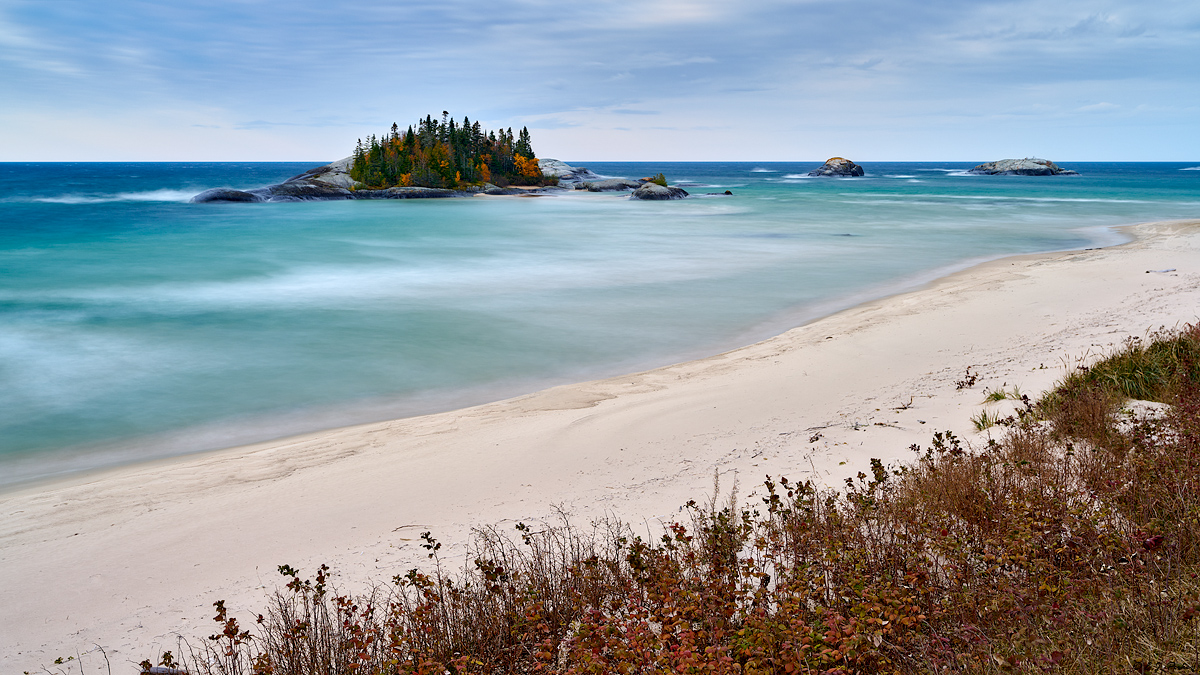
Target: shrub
[1069, 546]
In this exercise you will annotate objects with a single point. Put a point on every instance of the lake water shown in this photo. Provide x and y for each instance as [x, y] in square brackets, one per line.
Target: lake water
[136, 325]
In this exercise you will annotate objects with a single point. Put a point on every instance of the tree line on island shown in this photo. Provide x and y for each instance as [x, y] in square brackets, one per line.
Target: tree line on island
[447, 154]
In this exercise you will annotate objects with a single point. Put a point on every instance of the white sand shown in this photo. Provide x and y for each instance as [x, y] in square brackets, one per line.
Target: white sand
[130, 557]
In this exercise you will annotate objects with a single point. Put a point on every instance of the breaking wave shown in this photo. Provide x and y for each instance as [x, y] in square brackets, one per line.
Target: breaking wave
[150, 196]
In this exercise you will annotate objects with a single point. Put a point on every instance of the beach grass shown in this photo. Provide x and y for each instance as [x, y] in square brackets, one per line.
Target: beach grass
[1071, 544]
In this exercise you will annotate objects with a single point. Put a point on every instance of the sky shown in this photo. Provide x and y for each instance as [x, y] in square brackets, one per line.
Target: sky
[655, 80]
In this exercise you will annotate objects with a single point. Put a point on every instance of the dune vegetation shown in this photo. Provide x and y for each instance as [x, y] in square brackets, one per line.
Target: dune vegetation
[1068, 543]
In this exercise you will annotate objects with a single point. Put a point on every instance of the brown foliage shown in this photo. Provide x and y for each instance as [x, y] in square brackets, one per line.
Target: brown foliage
[1070, 546]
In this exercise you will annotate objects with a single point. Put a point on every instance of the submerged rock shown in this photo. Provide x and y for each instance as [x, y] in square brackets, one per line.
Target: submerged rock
[1030, 166]
[838, 166]
[225, 195]
[609, 185]
[658, 192]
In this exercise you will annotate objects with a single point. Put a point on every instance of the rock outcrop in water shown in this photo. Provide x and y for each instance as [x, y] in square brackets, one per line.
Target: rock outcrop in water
[608, 185]
[1030, 166]
[225, 195]
[838, 166]
[658, 192]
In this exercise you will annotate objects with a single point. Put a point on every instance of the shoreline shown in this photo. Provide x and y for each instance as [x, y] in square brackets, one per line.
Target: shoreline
[151, 449]
[138, 552]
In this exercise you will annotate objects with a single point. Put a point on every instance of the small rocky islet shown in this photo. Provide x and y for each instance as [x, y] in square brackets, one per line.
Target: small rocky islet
[838, 167]
[1030, 166]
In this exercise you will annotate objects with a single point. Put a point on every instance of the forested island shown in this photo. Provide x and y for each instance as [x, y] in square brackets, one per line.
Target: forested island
[442, 158]
[447, 154]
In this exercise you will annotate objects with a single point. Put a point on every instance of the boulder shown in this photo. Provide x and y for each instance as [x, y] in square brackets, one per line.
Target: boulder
[225, 195]
[838, 166]
[659, 192]
[565, 172]
[609, 185]
[1030, 166]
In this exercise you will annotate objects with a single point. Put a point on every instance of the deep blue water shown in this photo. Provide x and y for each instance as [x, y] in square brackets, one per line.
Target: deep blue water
[136, 325]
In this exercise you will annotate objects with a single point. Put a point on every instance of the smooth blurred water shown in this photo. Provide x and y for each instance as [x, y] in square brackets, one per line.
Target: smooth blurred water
[135, 325]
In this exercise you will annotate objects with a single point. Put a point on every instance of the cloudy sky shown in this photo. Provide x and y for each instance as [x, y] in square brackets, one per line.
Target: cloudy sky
[605, 79]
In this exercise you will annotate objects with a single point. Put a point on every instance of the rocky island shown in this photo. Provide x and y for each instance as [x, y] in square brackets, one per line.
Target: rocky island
[838, 166]
[1030, 166]
[441, 159]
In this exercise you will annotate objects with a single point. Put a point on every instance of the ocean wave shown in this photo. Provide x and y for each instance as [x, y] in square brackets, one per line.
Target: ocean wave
[149, 196]
[1190, 168]
[796, 175]
[899, 176]
[759, 169]
[1009, 198]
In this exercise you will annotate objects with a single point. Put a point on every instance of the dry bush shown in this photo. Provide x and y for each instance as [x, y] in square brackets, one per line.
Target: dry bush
[1069, 546]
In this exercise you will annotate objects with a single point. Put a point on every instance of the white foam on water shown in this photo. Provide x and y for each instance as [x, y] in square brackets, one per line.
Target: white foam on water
[1191, 168]
[150, 196]
[759, 169]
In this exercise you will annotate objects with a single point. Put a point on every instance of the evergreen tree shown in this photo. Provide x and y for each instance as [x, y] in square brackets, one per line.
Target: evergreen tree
[445, 153]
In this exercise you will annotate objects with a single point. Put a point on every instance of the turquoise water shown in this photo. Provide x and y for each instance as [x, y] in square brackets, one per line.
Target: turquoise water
[135, 325]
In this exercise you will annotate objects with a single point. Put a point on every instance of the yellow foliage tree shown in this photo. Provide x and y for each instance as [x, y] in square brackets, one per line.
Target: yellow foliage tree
[527, 166]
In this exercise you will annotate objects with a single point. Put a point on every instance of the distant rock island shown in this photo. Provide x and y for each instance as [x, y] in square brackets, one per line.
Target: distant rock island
[838, 166]
[1030, 166]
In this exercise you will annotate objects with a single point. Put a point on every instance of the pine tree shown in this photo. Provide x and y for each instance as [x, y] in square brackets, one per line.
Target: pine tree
[445, 153]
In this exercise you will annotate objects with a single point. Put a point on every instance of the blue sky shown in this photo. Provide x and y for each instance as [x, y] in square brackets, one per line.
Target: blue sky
[770, 80]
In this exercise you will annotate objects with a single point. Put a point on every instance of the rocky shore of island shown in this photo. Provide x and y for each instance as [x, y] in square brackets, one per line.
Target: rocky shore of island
[332, 182]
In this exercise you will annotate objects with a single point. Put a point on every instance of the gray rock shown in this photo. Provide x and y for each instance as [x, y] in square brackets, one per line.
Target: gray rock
[658, 192]
[565, 172]
[609, 185]
[225, 195]
[336, 174]
[1030, 166]
[410, 193]
[838, 166]
[302, 190]
[490, 189]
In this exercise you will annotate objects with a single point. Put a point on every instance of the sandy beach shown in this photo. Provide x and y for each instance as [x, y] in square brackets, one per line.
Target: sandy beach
[131, 557]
